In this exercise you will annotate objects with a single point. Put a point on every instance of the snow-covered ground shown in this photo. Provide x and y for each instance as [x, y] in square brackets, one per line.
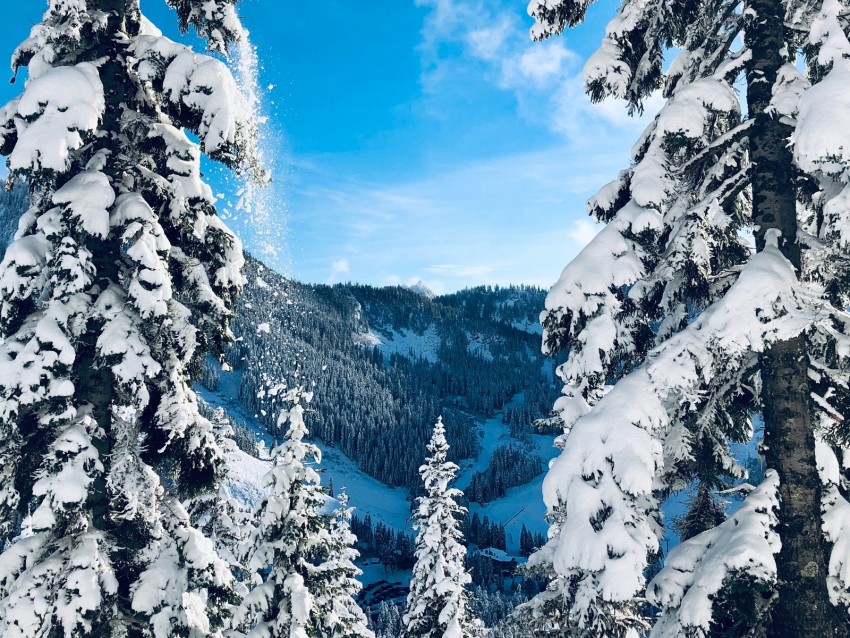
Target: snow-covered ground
[367, 339]
[403, 341]
[365, 494]
[522, 505]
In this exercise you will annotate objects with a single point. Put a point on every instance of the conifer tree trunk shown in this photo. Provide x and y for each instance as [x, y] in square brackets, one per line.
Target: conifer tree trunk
[803, 608]
[95, 382]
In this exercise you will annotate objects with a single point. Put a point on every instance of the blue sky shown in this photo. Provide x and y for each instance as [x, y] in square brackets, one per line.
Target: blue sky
[417, 139]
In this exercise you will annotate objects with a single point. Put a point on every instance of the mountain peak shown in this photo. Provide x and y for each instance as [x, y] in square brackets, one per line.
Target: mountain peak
[421, 288]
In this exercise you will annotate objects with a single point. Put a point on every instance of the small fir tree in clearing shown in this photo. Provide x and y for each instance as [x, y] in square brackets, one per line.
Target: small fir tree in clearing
[337, 583]
[438, 603]
[120, 278]
[303, 557]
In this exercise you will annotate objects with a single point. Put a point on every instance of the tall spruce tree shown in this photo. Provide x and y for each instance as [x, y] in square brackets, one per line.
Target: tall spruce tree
[438, 603]
[699, 330]
[119, 280]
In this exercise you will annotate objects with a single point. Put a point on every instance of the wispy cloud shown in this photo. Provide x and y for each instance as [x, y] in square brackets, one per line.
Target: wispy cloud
[505, 220]
[544, 77]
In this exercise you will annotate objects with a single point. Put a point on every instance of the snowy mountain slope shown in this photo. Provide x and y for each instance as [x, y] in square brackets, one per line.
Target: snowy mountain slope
[409, 343]
[366, 495]
[386, 362]
[522, 505]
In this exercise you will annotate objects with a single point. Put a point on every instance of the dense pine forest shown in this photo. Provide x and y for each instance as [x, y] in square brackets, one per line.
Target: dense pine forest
[385, 361]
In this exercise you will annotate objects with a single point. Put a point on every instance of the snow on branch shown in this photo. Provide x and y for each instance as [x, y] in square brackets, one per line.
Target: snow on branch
[52, 117]
[836, 522]
[822, 136]
[695, 571]
[597, 306]
[551, 17]
[214, 20]
[201, 95]
[603, 482]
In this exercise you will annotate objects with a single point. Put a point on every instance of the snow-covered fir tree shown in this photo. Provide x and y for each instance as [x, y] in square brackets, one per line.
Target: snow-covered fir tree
[290, 532]
[699, 330]
[438, 603]
[340, 615]
[119, 280]
[388, 621]
[218, 514]
[302, 557]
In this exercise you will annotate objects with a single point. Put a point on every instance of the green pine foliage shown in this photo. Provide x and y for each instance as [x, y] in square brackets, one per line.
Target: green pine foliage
[119, 280]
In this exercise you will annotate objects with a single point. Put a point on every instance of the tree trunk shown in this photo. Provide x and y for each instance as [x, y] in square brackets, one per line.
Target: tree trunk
[803, 608]
[94, 381]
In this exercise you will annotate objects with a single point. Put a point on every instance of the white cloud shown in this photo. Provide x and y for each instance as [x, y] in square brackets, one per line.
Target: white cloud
[446, 19]
[542, 63]
[338, 267]
[545, 77]
[488, 43]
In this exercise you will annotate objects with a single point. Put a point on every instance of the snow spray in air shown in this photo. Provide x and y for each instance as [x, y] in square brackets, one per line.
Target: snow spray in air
[257, 208]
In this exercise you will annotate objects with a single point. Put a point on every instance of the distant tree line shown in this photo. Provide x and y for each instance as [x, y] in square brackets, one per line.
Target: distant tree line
[532, 415]
[508, 467]
[394, 548]
[530, 542]
[484, 532]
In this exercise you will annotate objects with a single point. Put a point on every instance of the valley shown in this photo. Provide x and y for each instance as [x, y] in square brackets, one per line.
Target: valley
[383, 364]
